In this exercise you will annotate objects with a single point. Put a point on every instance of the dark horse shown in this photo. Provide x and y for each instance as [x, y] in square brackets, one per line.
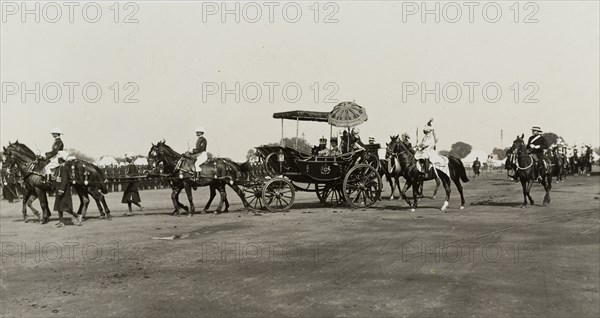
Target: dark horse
[525, 169]
[559, 165]
[87, 178]
[392, 170]
[216, 173]
[414, 177]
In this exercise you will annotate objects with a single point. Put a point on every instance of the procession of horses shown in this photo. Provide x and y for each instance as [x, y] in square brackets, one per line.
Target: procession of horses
[272, 175]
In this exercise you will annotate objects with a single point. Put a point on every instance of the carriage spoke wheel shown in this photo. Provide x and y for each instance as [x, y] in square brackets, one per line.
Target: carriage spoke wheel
[273, 167]
[253, 195]
[371, 160]
[362, 186]
[330, 194]
[278, 195]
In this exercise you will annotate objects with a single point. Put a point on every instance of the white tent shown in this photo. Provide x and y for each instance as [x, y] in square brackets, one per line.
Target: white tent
[140, 161]
[107, 161]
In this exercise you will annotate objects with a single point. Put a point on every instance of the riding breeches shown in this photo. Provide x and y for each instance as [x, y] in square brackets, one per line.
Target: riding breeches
[51, 166]
[202, 157]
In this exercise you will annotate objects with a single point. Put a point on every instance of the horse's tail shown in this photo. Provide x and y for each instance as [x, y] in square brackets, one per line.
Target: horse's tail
[460, 168]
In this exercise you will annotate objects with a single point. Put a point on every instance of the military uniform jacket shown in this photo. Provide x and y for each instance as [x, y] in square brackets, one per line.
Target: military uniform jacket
[56, 147]
[63, 200]
[132, 191]
[200, 145]
[537, 144]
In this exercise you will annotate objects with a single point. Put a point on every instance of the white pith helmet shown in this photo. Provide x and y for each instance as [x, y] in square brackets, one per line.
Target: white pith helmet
[56, 130]
[200, 129]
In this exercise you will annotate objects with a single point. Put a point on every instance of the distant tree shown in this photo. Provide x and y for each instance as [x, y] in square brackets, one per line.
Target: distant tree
[551, 138]
[501, 153]
[460, 149]
[303, 144]
[444, 152]
[597, 150]
[80, 155]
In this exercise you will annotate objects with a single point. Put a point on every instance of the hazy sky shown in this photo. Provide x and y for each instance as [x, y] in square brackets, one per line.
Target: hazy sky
[176, 50]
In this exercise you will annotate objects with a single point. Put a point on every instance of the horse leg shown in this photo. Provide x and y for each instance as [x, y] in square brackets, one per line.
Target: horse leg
[175, 199]
[41, 194]
[407, 185]
[225, 200]
[32, 198]
[448, 188]
[437, 186]
[84, 204]
[221, 189]
[415, 190]
[188, 192]
[529, 185]
[240, 193]
[210, 199]
[25, 201]
[392, 186]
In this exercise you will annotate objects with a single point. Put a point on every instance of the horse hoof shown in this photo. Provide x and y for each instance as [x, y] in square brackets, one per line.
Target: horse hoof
[523, 206]
[203, 212]
[59, 224]
[433, 197]
[392, 197]
[412, 210]
[462, 207]
[190, 215]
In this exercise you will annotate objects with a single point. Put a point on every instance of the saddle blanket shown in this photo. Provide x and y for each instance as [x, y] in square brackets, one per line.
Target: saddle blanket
[442, 165]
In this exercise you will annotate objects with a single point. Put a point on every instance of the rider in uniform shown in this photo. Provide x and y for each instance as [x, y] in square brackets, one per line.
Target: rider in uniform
[200, 151]
[537, 145]
[51, 155]
[405, 138]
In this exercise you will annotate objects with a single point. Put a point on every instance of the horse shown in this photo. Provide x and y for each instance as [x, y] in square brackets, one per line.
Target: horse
[558, 165]
[525, 169]
[392, 170]
[414, 177]
[587, 161]
[31, 168]
[216, 173]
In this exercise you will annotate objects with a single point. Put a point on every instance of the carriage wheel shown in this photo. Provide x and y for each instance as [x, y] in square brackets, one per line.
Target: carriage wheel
[272, 165]
[362, 186]
[254, 197]
[278, 195]
[330, 194]
[372, 160]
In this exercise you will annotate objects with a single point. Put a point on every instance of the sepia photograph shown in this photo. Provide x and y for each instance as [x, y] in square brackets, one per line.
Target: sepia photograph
[304, 158]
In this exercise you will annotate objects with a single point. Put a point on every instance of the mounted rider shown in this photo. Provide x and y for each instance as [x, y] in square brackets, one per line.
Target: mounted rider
[537, 146]
[426, 152]
[199, 152]
[405, 138]
[52, 154]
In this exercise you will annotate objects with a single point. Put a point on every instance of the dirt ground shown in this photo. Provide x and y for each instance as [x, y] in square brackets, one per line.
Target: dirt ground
[491, 259]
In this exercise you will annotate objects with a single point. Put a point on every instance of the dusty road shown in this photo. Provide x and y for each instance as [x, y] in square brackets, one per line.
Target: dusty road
[491, 259]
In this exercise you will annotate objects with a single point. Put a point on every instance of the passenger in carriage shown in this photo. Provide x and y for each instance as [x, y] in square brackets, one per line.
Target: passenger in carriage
[321, 149]
[335, 150]
[355, 142]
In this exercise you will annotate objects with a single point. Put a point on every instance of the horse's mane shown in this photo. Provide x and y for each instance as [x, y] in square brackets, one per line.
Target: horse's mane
[22, 149]
[168, 148]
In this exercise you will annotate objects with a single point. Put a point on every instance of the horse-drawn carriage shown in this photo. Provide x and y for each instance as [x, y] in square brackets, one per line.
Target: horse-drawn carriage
[277, 172]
